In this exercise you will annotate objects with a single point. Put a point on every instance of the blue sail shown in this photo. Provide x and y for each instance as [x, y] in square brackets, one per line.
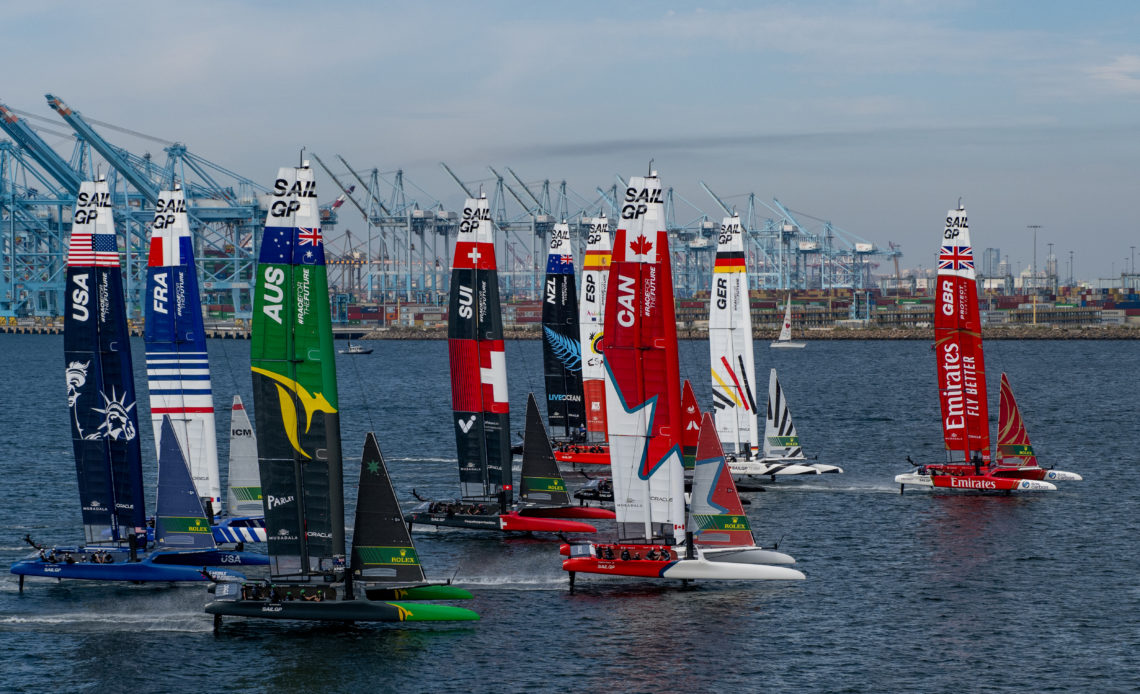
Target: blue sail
[99, 373]
[180, 522]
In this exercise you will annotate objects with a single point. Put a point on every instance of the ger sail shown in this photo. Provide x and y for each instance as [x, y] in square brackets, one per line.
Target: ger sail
[561, 349]
[178, 370]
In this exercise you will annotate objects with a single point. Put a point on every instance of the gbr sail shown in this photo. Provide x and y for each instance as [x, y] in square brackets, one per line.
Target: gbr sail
[643, 384]
[480, 408]
[591, 311]
[294, 387]
[958, 344]
[730, 345]
[177, 367]
[1013, 446]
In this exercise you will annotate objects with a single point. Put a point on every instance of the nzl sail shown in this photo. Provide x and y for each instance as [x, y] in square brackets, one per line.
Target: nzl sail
[1013, 446]
[643, 383]
[958, 344]
[595, 277]
[178, 371]
[294, 387]
[100, 380]
[730, 345]
[481, 410]
[561, 349]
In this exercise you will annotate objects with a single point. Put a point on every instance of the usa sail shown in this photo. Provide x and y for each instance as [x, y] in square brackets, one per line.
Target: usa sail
[643, 383]
[294, 388]
[481, 411]
[958, 344]
[730, 345]
[178, 370]
[100, 376]
[595, 278]
[561, 348]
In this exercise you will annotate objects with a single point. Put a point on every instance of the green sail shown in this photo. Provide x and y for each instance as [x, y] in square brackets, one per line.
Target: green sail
[294, 387]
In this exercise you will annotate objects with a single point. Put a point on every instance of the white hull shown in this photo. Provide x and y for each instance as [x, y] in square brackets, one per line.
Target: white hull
[772, 467]
[788, 345]
[745, 555]
[703, 569]
[913, 478]
[1062, 476]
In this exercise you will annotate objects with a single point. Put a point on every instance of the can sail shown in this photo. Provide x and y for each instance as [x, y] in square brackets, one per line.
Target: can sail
[595, 277]
[542, 483]
[730, 344]
[1013, 446]
[382, 549]
[100, 380]
[718, 518]
[179, 519]
[561, 349]
[178, 370]
[479, 401]
[243, 486]
[958, 344]
[690, 425]
[643, 383]
[294, 387]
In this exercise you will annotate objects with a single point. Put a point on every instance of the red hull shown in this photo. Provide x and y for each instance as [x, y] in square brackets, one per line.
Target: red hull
[591, 512]
[963, 477]
[583, 455]
[642, 568]
[514, 522]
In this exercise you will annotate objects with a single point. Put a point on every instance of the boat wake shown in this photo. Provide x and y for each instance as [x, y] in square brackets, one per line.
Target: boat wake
[415, 459]
[192, 621]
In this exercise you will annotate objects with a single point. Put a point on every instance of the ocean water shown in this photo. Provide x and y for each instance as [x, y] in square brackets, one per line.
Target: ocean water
[921, 592]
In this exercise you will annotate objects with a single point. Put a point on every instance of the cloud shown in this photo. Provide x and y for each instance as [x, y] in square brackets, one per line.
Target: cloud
[1121, 75]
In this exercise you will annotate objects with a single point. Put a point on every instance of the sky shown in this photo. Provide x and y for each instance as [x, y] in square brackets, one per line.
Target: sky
[877, 115]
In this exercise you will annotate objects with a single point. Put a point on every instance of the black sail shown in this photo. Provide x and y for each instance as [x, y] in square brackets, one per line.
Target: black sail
[561, 343]
[382, 549]
[542, 483]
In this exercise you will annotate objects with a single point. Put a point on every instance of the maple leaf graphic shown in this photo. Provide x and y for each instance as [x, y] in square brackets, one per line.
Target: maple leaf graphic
[641, 245]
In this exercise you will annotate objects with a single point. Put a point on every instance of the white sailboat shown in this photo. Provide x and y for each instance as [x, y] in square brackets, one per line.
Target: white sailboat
[785, 341]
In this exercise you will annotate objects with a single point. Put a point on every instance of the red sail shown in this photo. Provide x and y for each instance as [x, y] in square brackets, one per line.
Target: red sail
[958, 344]
[718, 515]
[1013, 447]
[691, 419]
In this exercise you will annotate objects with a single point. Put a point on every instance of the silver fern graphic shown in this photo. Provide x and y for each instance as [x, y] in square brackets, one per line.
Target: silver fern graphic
[568, 351]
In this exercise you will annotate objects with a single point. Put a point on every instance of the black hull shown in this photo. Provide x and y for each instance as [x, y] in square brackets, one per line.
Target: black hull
[468, 522]
[324, 611]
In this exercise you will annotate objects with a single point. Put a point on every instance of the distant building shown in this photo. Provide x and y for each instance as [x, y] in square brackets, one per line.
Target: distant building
[991, 262]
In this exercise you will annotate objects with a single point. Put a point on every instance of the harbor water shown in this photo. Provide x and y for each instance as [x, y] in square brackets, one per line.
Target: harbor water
[918, 592]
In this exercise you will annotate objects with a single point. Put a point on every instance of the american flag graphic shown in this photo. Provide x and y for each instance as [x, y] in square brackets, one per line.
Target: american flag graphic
[956, 258]
[99, 250]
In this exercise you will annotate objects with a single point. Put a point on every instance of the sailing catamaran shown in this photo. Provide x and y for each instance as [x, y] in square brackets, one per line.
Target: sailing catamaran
[104, 421]
[481, 411]
[591, 309]
[1015, 456]
[962, 376]
[785, 341]
[643, 404]
[298, 425]
[561, 349]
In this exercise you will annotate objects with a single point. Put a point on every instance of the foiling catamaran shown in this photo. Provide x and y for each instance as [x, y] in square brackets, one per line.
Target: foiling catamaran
[178, 368]
[734, 375]
[298, 442]
[644, 420]
[104, 423]
[481, 411]
[595, 449]
[962, 382]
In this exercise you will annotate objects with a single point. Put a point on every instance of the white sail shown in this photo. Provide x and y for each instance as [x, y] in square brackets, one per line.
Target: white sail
[243, 495]
[786, 328]
[780, 439]
[730, 345]
[591, 313]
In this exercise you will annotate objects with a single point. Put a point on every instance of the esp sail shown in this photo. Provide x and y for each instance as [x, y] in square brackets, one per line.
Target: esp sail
[177, 367]
[717, 515]
[99, 371]
[481, 411]
[561, 348]
[180, 520]
[294, 387]
[643, 383]
[1013, 446]
[730, 344]
[591, 308]
[243, 486]
[958, 344]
